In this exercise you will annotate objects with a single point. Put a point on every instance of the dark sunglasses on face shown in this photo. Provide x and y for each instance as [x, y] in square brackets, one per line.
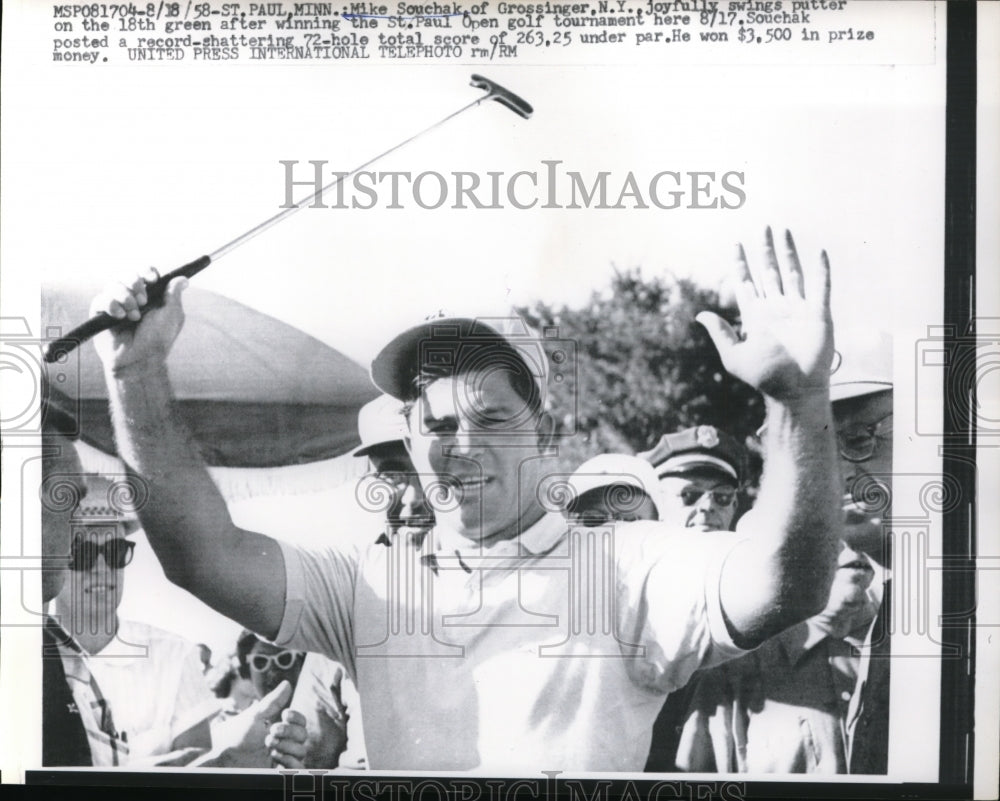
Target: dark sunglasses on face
[283, 660]
[720, 497]
[117, 553]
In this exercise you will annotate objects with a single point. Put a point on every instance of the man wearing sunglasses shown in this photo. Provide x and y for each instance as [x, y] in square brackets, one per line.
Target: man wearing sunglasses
[151, 679]
[700, 470]
[67, 740]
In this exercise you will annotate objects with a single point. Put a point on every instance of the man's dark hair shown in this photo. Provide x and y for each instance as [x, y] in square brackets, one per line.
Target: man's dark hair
[495, 355]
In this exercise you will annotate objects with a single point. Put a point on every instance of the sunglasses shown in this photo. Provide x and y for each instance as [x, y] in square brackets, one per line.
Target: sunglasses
[858, 443]
[283, 660]
[720, 497]
[117, 553]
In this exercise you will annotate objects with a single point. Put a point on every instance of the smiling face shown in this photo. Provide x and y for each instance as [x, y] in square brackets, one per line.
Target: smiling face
[91, 596]
[475, 433]
[703, 502]
[273, 666]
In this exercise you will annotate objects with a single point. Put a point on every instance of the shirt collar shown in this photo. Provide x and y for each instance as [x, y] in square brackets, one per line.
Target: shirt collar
[800, 639]
[58, 637]
[803, 637]
[537, 539]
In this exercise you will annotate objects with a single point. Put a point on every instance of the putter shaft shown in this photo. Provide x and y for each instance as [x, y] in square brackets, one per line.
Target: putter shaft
[156, 290]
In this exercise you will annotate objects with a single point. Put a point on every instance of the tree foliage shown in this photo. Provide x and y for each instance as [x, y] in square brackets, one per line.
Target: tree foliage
[644, 367]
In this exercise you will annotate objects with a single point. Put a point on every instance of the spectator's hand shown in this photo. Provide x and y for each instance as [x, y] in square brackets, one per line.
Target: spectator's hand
[145, 335]
[240, 741]
[287, 740]
[327, 744]
[786, 347]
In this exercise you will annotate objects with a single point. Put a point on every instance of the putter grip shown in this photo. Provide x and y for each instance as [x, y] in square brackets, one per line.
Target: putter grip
[155, 293]
[504, 96]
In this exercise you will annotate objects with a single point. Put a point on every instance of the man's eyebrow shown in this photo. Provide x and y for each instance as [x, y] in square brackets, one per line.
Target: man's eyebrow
[498, 410]
[428, 416]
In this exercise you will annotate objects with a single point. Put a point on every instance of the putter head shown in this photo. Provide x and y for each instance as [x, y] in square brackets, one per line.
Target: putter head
[495, 91]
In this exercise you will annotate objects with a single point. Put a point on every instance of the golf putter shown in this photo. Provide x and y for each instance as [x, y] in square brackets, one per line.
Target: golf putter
[156, 290]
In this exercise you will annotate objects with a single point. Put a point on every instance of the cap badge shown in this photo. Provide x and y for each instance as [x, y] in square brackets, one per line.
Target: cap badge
[707, 436]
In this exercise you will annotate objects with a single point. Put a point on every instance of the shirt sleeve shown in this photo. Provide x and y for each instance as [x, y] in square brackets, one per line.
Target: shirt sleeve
[670, 606]
[319, 599]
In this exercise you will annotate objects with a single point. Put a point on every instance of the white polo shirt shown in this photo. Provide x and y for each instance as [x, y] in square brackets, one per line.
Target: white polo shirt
[550, 651]
[153, 681]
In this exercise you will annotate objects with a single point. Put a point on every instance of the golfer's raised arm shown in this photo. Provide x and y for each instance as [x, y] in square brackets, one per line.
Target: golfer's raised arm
[781, 574]
[239, 573]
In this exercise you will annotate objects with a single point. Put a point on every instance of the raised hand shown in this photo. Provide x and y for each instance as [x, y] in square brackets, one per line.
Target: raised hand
[241, 740]
[145, 335]
[785, 346]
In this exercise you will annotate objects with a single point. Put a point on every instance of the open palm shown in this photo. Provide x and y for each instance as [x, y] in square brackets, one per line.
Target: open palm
[786, 342]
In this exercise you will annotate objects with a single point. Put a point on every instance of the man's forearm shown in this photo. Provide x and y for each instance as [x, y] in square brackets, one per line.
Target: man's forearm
[183, 514]
[794, 526]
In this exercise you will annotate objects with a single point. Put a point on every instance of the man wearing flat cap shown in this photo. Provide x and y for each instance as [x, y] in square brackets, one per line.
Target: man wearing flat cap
[480, 690]
[700, 470]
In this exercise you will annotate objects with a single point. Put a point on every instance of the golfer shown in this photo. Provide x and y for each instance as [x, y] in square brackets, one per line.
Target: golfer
[506, 678]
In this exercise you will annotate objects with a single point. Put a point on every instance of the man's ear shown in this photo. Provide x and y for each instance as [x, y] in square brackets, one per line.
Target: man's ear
[408, 437]
[546, 431]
